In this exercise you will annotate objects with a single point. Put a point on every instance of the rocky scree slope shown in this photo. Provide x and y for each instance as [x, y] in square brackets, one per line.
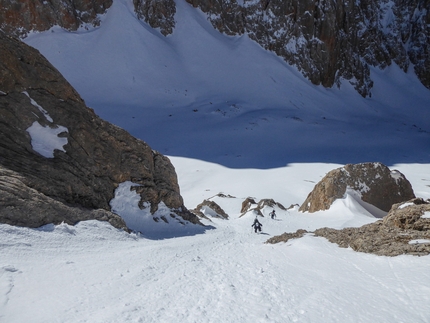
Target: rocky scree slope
[405, 230]
[77, 181]
[328, 41]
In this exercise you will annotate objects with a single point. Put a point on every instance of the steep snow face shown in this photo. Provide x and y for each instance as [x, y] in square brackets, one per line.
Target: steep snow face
[226, 100]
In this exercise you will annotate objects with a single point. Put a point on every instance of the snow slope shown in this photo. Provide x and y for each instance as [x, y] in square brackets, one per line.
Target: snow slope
[234, 119]
[225, 100]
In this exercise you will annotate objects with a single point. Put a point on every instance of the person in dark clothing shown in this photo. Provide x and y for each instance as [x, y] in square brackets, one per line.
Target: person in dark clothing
[273, 214]
[257, 225]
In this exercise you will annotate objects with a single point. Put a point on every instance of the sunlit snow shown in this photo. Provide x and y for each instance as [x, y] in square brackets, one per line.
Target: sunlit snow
[233, 119]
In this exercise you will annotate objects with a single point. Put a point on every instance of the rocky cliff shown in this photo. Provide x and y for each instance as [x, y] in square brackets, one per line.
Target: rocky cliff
[55, 149]
[332, 40]
[19, 17]
[328, 41]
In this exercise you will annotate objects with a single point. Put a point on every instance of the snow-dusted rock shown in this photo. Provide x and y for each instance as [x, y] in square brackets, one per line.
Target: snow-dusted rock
[328, 41]
[332, 40]
[158, 14]
[208, 209]
[405, 230]
[374, 183]
[247, 205]
[402, 231]
[19, 17]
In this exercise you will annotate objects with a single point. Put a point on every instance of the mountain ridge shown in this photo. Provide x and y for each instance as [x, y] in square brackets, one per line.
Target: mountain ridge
[327, 41]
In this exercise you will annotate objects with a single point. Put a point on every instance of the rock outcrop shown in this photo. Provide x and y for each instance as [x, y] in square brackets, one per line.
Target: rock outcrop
[405, 230]
[332, 40]
[208, 209]
[374, 182]
[61, 149]
[22, 205]
[159, 14]
[19, 17]
[247, 205]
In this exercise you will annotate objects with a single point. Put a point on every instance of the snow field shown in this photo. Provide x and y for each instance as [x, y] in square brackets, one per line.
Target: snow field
[253, 128]
[93, 272]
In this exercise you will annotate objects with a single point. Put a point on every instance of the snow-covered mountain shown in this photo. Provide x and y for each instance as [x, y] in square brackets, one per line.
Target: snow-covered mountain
[328, 41]
[201, 94]
[237, 119]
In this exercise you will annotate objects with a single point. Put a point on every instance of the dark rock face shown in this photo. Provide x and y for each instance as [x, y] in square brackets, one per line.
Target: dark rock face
[405, 230]
[331, 40]
[376, 184]
[19, 17]
[94, 157]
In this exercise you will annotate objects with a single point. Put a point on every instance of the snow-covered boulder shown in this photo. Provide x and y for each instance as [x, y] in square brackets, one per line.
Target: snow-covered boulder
[374, 183]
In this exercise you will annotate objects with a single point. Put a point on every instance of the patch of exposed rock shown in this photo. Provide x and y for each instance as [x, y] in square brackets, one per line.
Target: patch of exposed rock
[22, 205]
[248, 203]
[19, 17]
[208, 209]
[94, 156]
[287, 236]
[374, 182]
[405, 230]
[159, 14]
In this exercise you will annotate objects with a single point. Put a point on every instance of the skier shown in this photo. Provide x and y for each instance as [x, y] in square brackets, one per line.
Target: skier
[273, 214]
[257, 225]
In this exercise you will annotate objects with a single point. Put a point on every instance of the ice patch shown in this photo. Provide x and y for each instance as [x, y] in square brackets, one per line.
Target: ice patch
[426, 215]
[45, 140]
[417, 241]
[405, 205]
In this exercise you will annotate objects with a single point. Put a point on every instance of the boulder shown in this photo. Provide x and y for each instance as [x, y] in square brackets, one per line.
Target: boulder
[375, 183]
[60, 148]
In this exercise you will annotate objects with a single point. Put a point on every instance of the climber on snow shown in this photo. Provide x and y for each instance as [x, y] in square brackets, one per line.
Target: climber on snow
[257, 225]
[273, 214]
